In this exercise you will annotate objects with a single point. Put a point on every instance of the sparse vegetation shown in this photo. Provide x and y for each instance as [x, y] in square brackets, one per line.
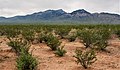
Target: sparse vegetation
[42, 37]
[72, 37]
[26, 62]
[22, 37]
[102, 39]
[29, 35]
[85, 58]
[63, 32]
[88, 37]
[60, 51]
[19, 45]
[52, 42]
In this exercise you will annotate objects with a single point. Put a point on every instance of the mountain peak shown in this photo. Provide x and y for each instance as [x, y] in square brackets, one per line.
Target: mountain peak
[59, 10]
[80, 11]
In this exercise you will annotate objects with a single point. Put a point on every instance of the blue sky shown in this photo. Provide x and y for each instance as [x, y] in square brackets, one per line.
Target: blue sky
[10, 8]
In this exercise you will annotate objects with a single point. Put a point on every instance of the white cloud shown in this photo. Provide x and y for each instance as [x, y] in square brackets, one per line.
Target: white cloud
[22, 7]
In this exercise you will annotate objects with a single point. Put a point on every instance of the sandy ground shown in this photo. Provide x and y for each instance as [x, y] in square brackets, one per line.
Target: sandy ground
[7, 57]
[48, 61]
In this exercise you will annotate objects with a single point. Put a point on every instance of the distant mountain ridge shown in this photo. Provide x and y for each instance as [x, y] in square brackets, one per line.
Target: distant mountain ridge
[80, 16]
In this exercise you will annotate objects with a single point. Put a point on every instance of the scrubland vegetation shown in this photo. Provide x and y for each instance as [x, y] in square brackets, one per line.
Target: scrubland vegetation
[93, 37]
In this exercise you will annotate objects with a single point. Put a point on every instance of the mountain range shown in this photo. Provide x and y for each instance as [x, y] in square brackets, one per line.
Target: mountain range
[78, 16]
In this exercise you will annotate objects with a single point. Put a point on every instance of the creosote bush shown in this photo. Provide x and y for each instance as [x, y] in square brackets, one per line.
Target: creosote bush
[88, 37]
[62, 32]
[60, 51]
[18, 45]
[26, 62]
[11, 33]
[97, 39]
[52, 42]
[42, 37]
[102, 39]
[29, 35]
[85, 58]
[117, 32]
[72, 37]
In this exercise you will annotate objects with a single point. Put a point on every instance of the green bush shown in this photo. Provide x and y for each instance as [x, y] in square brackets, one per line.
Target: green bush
[11, 33]
[18, 45]
[101, 45]
[52, 42]
[117, 32]
[88, 37]
[29, 35]
[62, 32]
[102, 39]
[72, 37]
[60, 51]
[26, 62]
[42, 37]
[85, 58]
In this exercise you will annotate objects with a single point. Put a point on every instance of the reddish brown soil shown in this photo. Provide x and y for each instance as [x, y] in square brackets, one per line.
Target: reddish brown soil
[48, 61]
[7, 57]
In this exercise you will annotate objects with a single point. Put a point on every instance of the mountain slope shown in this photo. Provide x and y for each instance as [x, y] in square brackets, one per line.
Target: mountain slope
[80, 16]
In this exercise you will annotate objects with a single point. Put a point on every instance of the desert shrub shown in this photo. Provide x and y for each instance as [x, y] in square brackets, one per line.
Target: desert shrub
[62, 32]
[72, 35]
[101, 45]
[11, 33]
[85, 58]
[88, 37]
[42, 37]
[2, 32]
[60, 51]
[102, 39]
[26, 62]
[19, 45]
[52, 41]
[29, 35]
[72, 38]
[97, 39]
[117, 32]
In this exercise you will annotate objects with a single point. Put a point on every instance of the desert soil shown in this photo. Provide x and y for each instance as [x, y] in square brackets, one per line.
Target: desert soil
[48, 61]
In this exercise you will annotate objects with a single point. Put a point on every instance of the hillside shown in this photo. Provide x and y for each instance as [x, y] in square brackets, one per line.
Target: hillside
[78, 16]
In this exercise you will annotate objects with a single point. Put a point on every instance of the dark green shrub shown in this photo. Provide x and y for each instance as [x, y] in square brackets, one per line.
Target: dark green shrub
[29, 35]
[62, 32]
[60, 51]
[72, 37]
[26, 62]
[11, 33]
[88, 37]
[52, 42]
[101, 45]
[117, 32]
[18, 45]
[85, 58]
[102, 39]
[42, 37]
